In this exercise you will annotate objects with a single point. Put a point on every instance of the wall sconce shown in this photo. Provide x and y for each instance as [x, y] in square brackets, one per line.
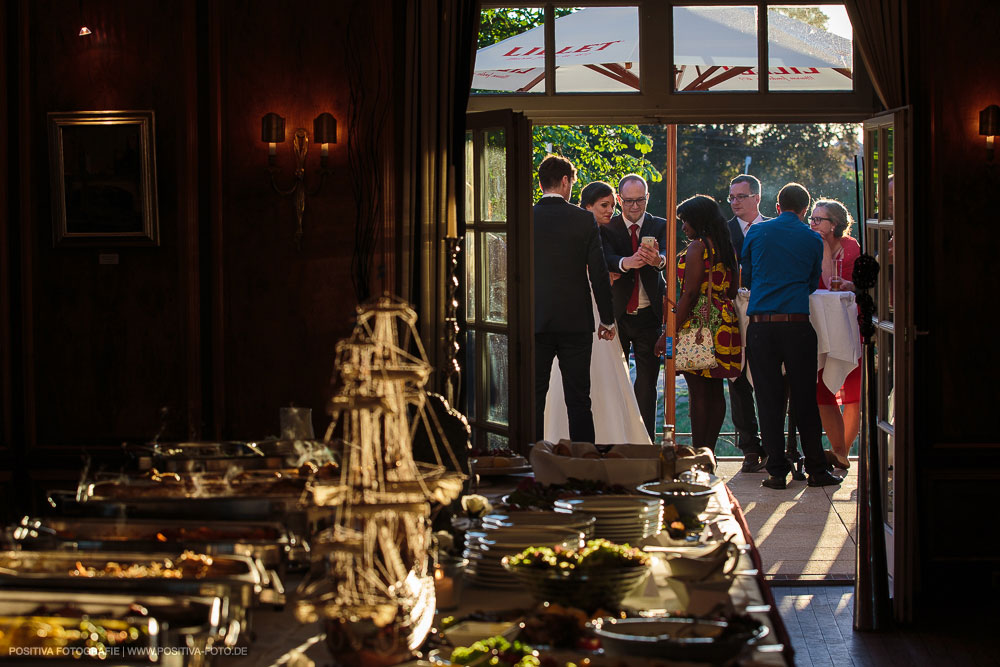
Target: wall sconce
[272, 132]
[989, 126]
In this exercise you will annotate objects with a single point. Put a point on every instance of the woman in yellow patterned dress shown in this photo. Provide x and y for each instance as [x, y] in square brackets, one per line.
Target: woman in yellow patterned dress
[708, 260]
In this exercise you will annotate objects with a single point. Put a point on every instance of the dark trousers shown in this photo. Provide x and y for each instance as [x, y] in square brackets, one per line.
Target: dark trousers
[573, 351]
[638, 334]
[744, 413]
[769, 345]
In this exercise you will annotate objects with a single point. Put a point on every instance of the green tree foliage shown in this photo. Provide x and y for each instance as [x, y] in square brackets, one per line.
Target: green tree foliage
[814, 16]
[496, 25]
[599, 152]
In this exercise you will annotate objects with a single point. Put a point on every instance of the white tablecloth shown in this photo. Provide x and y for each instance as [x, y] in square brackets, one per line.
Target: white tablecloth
[834, 316]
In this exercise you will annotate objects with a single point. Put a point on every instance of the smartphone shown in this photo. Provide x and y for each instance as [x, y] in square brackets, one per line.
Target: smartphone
[648, 241]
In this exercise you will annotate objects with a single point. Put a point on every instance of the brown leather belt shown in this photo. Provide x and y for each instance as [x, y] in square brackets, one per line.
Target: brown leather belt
[782, 317]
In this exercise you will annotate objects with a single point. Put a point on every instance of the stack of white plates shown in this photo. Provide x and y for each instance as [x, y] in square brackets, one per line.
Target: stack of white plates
[522, 519]
[620, 519]
[485, 548]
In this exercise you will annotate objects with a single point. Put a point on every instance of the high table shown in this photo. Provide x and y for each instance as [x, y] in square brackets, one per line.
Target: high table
[834, 316]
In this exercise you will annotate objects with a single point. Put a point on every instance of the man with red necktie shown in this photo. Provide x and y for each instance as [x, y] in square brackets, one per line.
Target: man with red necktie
[638, 294]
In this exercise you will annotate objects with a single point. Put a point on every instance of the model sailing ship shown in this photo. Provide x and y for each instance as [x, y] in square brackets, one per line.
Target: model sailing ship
[371, 585]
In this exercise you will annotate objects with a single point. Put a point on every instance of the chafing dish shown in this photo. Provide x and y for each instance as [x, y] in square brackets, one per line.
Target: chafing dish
[221, 456]
[235, 578]
[268, 542]
[185, 630]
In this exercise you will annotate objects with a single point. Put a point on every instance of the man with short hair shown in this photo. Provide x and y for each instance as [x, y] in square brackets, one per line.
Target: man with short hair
[782, 262]
[744, 199]
[638, 293]
[567, 250]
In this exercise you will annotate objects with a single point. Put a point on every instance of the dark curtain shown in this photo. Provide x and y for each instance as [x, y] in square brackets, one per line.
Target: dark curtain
[881, 35]
[439, 53]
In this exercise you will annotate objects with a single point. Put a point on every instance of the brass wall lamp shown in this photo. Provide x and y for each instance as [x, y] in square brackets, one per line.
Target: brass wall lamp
[272, 132]
[989, 127]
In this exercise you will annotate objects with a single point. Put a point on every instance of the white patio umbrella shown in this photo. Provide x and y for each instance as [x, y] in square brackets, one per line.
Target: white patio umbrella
[715, 48]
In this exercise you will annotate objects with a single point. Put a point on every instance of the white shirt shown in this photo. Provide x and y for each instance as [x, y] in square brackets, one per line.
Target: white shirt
[744, 225]
[643, 297]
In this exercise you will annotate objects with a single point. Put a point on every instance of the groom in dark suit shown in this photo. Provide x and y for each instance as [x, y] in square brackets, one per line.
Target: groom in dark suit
[567, 251]
[744, 199]
[638, 294]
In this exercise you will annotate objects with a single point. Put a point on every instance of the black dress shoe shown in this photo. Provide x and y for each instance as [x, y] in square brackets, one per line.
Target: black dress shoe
[825, 478]
[773, 482]
[754, 463]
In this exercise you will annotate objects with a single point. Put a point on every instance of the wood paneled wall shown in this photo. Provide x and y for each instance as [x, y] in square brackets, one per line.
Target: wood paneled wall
[955, 244]
[210, 333]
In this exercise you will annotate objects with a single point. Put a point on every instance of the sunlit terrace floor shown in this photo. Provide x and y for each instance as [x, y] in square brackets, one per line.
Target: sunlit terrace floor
[803, 534]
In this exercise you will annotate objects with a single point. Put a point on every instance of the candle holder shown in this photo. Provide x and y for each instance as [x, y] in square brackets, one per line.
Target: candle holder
[449, 581]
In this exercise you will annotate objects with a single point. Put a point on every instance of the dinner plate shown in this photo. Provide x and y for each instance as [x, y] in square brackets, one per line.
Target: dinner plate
[499, 472]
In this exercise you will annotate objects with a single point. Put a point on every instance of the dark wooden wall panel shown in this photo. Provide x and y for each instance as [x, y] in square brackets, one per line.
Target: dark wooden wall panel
[286, 307]
[108, 340]
[955, 221]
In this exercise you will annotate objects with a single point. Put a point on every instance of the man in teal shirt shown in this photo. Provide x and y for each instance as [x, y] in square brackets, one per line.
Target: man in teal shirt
[782, 261]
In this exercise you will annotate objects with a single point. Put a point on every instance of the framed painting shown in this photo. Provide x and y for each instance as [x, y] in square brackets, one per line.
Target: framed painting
[103, 174]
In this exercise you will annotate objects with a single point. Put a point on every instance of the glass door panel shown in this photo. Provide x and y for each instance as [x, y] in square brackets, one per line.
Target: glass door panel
[496, 199]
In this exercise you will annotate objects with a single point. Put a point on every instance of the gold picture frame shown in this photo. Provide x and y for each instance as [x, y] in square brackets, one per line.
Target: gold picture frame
[103, 177]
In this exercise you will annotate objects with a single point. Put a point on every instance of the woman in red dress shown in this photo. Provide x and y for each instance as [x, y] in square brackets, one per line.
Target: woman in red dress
[832, 221]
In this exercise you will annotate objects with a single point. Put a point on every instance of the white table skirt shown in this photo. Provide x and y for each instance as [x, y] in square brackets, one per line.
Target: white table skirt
[834, 316]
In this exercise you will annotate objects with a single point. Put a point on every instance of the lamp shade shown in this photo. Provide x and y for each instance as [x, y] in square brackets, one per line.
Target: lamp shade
[272, 128]
[325, 129]
[989, 121]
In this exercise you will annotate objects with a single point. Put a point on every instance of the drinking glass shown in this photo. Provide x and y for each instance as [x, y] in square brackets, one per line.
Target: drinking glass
[837, 277]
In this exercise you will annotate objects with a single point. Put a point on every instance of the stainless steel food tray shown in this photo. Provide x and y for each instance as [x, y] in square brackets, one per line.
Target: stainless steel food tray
[201, 625]
[268, 542]
[236, 578]
[220, 456]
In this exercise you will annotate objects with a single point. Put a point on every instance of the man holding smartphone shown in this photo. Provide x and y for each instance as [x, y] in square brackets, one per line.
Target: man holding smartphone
[632, 246]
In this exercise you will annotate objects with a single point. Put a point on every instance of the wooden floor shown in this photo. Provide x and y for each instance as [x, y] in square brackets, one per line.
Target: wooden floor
[819, 621]
[802, 533]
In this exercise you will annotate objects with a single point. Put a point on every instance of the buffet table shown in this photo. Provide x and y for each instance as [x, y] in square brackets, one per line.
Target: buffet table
[834, 316]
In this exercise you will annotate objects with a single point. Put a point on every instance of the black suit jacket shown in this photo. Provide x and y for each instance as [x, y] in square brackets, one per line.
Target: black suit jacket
[567, 251]
[736, 234]
[618, 244]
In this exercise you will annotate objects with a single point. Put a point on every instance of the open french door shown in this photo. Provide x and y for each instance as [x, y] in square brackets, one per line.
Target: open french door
[888, 239]
[497, 280]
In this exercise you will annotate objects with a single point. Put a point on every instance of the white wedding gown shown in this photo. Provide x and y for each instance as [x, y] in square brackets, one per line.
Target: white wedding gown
[616, 413]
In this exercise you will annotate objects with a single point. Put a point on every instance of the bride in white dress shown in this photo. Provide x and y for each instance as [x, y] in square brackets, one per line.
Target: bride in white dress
[616, 413]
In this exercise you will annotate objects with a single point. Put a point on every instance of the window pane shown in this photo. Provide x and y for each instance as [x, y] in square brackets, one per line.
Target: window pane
[715, 48]
[471, 373]
[871, 137]
[495, 280]
[890, 167]
[496, 376]
[886, 378]
[597, 50]
[885, 297]
[496, 441]
[470, 276]
[494, 189]
[809, 48]
[470, 179]
[511, 55]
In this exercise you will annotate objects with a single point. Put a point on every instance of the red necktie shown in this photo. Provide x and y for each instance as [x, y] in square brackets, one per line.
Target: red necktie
[633, 302]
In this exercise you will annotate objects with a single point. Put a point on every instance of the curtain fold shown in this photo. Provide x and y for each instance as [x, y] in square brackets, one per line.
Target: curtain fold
[438, 57]
[881, 35]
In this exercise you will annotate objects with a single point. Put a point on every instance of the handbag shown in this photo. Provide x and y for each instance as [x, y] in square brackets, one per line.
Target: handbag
[695, 349]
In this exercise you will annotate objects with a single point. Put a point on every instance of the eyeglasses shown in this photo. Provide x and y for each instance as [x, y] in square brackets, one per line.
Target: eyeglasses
[741, 197]
[817, 219]
[635, 202]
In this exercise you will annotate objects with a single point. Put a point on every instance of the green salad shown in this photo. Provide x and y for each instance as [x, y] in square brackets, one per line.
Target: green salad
[596, 554]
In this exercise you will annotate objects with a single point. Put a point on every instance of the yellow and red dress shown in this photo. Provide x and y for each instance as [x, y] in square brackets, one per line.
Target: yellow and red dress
[723, 319]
